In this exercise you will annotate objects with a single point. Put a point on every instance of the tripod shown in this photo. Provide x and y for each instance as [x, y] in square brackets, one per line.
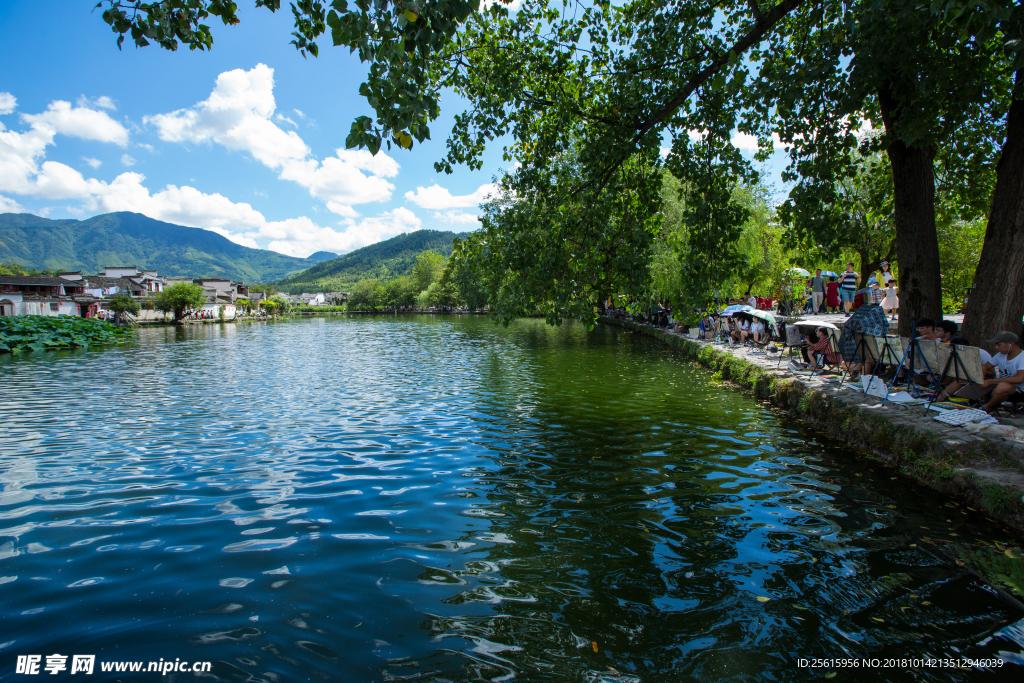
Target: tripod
[958, 364]
[909, 353]
[863, 351]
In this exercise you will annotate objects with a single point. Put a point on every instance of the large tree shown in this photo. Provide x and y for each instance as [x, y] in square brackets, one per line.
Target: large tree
[179, 298]
[591, 94]
[935, 78]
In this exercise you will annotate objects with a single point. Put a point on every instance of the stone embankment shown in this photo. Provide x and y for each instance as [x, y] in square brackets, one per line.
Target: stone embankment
[985, 471]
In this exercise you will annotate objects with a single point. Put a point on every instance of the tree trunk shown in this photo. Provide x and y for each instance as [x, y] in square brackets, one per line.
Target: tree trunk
[997, 301]
[917, 242]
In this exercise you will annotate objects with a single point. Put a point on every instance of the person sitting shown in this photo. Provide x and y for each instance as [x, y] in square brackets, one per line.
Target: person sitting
[946, 331]
[757, 330]
[741, 330]
[822, 346]
[1008, 367]
[926, 329]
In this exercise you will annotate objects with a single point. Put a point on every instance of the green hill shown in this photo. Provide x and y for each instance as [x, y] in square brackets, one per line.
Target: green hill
[385, 260]
[131, 239]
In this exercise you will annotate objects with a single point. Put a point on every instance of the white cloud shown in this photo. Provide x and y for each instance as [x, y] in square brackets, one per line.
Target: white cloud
[19, 158]
[748, 143]
[236, 115]
[512, 5]
[8, 205]
[80, 122]
[103, 102]
[299, 113]
[244, 240]
[457, 217]
[239, 222]
[340, 178]
[342, 210]
[744, 142]
[148, 148]
[284, 119]
[239, 115]
[438, 198]
[301, 237]
[665, 151]
[8, 103]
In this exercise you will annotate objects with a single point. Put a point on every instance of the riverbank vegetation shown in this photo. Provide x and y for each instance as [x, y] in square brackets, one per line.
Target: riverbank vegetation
[26, 333]
[435, 281]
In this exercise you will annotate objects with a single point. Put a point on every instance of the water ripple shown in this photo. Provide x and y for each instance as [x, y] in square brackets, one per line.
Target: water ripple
[441, 499]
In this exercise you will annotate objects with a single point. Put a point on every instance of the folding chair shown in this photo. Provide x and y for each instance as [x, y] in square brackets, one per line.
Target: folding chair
[1016, 402]
[793, 340]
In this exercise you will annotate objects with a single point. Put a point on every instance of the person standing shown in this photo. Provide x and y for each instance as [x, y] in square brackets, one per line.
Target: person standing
[848, 282]
[884, 275]
[817, 290]
[832, 295]
[891, 302]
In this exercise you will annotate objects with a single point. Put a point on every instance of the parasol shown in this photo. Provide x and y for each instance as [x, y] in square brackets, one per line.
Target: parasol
[737, 308]
[813, 323]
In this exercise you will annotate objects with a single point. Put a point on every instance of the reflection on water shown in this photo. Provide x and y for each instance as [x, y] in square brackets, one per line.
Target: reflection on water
[444, 500]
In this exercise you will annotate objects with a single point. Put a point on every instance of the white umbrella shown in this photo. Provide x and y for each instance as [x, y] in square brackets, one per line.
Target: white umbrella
[799, 271]
[813, 323]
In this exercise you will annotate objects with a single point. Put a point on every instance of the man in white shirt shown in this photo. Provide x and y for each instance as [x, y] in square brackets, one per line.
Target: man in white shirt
[1008, 365]
[752, 302]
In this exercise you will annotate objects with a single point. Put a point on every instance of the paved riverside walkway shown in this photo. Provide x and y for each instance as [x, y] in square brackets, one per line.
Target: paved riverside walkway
[1006, 466]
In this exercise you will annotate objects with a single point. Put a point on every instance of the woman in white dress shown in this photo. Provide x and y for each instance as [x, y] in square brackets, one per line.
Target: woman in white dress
[891, 302]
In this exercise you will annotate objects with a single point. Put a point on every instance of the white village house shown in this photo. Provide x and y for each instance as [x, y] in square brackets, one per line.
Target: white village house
[76, 294]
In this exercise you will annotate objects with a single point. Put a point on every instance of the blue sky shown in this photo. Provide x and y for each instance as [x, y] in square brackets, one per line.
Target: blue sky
[246, 140]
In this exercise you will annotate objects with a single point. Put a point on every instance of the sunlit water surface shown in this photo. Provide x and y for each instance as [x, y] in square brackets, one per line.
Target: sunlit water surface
[440, 499]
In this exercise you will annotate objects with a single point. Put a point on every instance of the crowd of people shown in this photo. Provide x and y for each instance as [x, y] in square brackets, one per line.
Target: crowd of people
[826, 348]
[831, 293]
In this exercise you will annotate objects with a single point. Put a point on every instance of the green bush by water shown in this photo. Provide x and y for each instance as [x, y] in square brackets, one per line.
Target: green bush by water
[39, 332]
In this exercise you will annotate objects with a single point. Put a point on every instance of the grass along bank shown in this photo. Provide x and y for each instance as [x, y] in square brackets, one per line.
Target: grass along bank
[25, 333]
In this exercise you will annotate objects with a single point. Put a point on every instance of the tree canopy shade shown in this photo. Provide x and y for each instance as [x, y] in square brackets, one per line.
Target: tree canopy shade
[590, 95]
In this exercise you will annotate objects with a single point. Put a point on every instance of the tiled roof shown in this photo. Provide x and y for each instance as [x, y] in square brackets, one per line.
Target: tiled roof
[31, 280]
[100, 282]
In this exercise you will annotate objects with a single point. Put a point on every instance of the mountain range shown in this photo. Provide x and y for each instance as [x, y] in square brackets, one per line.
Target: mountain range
[131, 239]
[385, 261]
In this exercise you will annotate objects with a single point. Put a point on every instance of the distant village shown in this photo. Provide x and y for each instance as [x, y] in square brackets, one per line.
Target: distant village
[86, 296]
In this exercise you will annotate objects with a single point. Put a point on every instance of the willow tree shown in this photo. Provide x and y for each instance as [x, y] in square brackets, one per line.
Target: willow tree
[590, 94]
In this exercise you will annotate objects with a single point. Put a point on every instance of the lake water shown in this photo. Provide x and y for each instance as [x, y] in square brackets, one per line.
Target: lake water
[441, 499]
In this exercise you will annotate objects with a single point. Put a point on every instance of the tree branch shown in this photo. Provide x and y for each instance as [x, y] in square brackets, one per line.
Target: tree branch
[752, 37]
